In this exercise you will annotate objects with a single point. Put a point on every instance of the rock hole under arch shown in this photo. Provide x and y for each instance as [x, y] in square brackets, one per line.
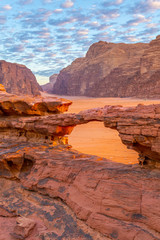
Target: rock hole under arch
[93, 138]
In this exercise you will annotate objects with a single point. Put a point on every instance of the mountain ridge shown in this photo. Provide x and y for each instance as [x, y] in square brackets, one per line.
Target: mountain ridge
[113, 70]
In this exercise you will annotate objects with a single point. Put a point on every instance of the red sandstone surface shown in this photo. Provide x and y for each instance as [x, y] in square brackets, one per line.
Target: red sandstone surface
[50, 191]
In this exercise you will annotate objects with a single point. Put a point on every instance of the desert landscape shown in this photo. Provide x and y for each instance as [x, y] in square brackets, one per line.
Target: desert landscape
[80, 120]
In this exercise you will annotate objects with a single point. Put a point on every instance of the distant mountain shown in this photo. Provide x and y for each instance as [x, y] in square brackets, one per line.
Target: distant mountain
[113, 70]
[18, 79]
[48, 87]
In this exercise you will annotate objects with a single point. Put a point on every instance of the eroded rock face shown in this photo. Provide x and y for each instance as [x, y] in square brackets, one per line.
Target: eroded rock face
[135, 79]
[114, 70]
[50, 191]
[18, 79]
[49, 86]
[120, 201]
[83, 76]
[26, 214]
[29, 106]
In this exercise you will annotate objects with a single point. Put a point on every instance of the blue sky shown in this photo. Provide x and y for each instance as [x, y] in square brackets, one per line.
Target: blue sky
[47, 35]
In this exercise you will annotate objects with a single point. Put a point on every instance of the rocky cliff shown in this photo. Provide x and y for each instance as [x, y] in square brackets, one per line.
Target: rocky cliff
[18, 79]
[114, 70]
[49, 86]
[50, 191]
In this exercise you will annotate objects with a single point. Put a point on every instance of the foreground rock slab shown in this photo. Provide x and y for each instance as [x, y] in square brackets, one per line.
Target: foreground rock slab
[39, 183]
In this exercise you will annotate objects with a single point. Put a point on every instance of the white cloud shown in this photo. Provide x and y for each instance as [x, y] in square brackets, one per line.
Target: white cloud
[132, 39]
[68, 4]
[154, 4]
[7, 7]
[94, 23]
[119, 1]
[48, 1]
[82, 32]
[45, 35]
[25, 2]
[115, 15]
[58, 10]
[139, 18]
[151, 25]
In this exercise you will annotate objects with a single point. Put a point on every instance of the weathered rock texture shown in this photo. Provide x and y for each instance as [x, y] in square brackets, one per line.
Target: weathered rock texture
[114, 70]
[51, 185]
[26, 105]
[49, 86]
[2, 88]
[18, 79]
[49, 191]
[138, 127]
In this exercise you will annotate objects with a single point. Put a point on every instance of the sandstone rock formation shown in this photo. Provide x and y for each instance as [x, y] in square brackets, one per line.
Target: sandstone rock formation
[26, 105]
[114, 70]
[18, 79]
[50, 191]
[49, 86]
[2, 88]
[120, 201]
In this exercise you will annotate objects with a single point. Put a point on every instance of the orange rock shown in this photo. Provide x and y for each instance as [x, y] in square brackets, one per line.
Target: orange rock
[26, 105]
[2, 88]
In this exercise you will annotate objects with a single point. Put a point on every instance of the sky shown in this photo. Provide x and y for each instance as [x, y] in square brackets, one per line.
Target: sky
[47, 35]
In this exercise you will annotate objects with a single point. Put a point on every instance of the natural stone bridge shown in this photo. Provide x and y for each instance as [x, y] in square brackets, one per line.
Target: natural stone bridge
[138, 127]
[50, 191]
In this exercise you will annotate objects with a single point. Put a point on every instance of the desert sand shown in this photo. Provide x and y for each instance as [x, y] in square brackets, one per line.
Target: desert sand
[94, 138]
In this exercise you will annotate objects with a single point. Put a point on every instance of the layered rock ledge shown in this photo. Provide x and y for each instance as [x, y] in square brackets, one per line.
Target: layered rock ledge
[13, 105]
[50, 191]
